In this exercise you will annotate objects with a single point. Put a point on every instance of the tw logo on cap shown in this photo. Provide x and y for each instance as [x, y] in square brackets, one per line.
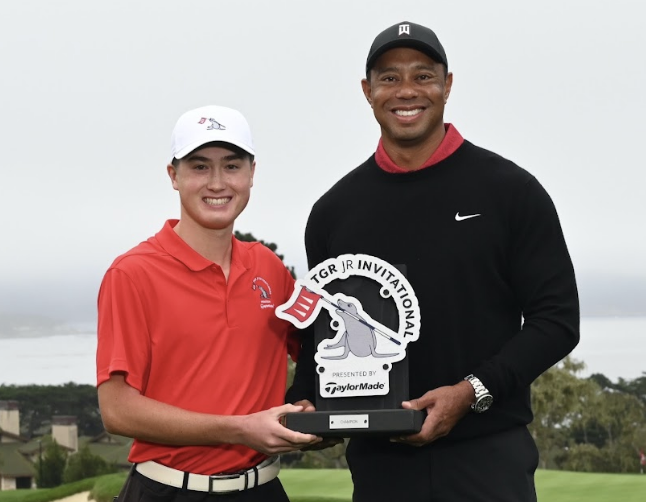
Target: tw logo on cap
[404, 29]
[215, 125]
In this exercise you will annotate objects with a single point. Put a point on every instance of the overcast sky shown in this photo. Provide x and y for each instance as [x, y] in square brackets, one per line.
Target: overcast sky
[90, 91]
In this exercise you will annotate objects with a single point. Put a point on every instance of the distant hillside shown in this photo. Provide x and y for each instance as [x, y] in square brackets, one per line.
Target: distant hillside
[609, 295]
[23, 325]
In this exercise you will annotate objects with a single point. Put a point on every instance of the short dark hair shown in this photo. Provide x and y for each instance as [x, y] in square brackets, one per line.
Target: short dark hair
[222, 144]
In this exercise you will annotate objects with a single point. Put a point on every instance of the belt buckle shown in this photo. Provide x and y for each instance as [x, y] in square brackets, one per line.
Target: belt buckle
[217, 477]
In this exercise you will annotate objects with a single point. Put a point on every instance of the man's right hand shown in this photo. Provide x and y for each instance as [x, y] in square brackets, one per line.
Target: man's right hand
[326, 442]
[263, 432]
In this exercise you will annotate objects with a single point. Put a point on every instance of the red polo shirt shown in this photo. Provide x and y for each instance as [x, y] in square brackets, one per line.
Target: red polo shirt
[185, 336]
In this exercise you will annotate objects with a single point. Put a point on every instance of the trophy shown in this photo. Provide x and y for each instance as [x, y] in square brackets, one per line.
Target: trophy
[372, 314]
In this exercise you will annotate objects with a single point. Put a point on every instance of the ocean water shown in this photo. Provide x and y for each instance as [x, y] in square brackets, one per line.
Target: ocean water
[613, 346]
[49, 360]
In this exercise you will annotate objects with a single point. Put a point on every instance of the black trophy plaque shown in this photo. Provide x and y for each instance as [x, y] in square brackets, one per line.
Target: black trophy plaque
[360, 343]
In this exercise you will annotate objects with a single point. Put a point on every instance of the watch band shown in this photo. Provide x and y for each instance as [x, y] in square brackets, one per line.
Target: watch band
[484, 399]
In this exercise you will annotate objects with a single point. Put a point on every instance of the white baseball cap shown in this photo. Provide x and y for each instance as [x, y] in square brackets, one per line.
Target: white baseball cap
[210, 123]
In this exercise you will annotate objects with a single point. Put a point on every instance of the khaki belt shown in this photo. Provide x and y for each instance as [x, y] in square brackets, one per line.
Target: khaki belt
[220, 483]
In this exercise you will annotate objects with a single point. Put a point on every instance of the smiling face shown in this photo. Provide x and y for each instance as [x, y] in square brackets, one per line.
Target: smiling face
[214, 184]
[407, 91]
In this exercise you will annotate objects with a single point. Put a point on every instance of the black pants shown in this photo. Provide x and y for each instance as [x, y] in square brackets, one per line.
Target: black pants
[139, 488]
[495, 468]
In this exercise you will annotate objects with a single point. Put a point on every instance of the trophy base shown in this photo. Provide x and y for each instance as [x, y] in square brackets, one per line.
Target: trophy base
[356, 423]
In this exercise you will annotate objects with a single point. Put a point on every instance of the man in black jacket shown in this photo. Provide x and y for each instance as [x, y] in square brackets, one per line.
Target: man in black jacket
[484, 251]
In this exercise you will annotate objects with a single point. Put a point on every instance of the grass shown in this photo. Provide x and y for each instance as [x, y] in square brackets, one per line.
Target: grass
[317, 485]
[562, 486]
[106, 487]
[334, 485]
[48, 494]
[303, 485]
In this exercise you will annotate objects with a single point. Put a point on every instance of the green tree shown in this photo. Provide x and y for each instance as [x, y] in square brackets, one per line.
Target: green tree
[84, 464]
[606, 434]
[558, 397]
[585, 458]
[620, 414]
[248, 237]
[38, 403]
[49, 469]
[636, 387]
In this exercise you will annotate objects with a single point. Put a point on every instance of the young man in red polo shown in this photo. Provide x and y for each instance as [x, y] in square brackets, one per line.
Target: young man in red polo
[191, 360]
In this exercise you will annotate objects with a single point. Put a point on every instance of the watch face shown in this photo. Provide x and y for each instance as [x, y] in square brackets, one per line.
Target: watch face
[483, 404]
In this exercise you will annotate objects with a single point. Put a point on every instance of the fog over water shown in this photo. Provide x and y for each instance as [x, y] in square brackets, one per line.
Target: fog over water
[70, 358]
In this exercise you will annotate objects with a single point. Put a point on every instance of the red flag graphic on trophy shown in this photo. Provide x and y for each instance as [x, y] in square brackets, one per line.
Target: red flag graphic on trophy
[304, 305]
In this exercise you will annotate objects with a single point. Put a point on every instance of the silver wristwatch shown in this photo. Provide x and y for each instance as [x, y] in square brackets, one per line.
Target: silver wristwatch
[484, 399]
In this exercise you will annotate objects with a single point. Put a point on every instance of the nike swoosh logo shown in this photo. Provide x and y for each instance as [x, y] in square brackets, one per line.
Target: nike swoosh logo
[460, 218]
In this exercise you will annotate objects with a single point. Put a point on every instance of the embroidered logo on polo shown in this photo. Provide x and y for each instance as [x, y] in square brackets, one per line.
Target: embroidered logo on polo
[213, 124]
[262, 286]
[357, 360]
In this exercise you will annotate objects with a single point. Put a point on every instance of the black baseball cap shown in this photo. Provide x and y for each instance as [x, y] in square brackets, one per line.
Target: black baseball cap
[407, 34]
